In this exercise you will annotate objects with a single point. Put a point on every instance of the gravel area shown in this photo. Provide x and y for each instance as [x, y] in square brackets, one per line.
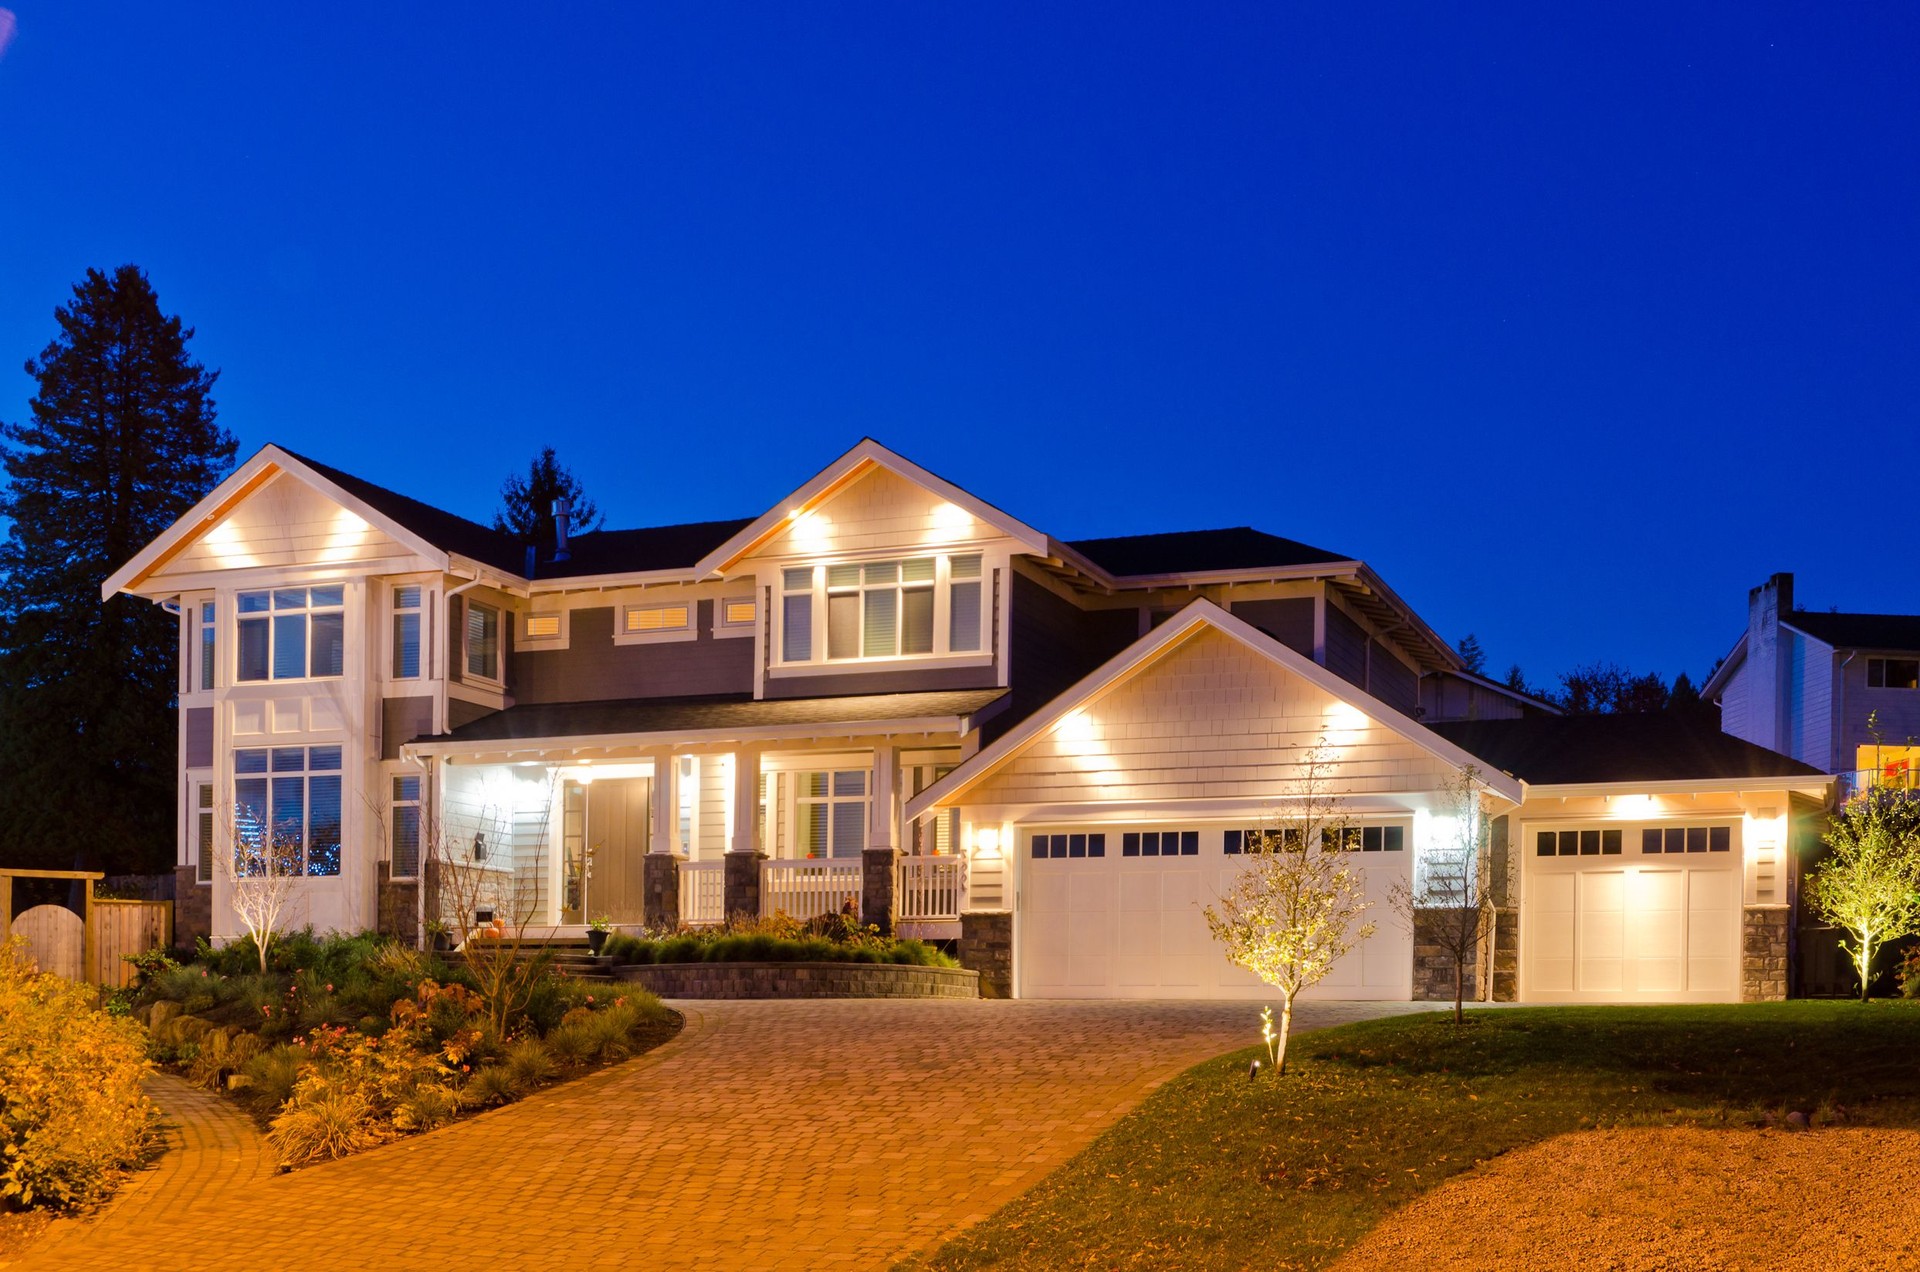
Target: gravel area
[1669, 1198]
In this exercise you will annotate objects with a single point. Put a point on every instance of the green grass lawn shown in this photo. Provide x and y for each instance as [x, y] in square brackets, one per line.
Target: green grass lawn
[1216, 1171]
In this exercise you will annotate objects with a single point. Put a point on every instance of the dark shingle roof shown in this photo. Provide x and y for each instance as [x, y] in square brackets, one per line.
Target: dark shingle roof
[1655, 747]
[443, 529]
[1197, 551]
[1859, 631]
[671, 715]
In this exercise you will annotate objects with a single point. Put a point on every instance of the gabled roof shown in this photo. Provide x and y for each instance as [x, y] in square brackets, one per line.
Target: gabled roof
[1717, 682]
[1200, 552]
[1898, 632]
[437, 526]
[653, 548]
[1661, 746]
[1197, 616]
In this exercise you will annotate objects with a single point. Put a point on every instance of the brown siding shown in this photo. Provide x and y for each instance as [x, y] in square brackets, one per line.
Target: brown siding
[593, 668]
[1346, 647]
[459, 713]
[1288, 620]
[1054, 644]
[1391, 680]
[834, 685]
[199, 743]
[456, 638]
[401, 721]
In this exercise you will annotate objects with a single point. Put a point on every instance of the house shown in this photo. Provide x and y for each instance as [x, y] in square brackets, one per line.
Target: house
[1838, 691]
[884, 692]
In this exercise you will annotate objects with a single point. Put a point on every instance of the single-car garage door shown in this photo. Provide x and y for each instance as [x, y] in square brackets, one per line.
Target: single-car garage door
[1117, 912]
[1631, 914]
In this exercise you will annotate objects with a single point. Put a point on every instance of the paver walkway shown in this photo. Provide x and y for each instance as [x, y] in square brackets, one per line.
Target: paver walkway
[839, 1134]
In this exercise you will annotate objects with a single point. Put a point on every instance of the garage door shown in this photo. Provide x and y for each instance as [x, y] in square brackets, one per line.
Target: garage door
[1117, 912]
[1631, 914]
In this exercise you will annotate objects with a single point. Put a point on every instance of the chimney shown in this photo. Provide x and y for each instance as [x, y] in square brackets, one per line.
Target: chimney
[562, 514]
[1765, 713]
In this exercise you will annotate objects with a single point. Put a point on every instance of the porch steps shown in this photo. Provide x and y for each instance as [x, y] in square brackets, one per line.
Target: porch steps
[571, 958]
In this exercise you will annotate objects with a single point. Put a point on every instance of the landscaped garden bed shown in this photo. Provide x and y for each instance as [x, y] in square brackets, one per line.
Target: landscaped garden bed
[349, 1042]
[1219, 1170]
[830, 938]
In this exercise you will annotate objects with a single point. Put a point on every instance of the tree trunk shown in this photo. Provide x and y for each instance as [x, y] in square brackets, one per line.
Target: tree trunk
[1286, 1029]
[1865, 963]
[1459, 990]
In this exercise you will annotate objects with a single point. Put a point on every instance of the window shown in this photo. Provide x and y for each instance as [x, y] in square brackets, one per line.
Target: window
[735, 614]
[657, 620]
[1579, 843]
[292, 633]
[917, 606]
[203, 832]
[1070, 845]
[543, 626]
[830, 813]
[483, 641]
[289, 797]
[1685, 839]
[209, 645]
[687, 788]
[1239, 842]
[406, 633]
[1160, 843]
[405, 824]
[1893, 673]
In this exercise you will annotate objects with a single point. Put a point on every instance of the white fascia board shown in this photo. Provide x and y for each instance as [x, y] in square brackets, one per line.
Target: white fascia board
[868, 454]
[1391, 597]
[261, 468]
[609, 582]
[1717, 682]
[1802, 784]
[1258, 574]
[480, 572]
[478, 752]
[1147, 650]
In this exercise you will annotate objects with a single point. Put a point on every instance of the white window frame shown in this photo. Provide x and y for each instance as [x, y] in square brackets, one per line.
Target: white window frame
[305, 775]
[204, 662]
[394, 613]
[830, 800]
[273, 613]
[561, 638]
[686, 630]
[467, 673]
[393, 778]
[942, 654]
[196, 850]
[722, 627]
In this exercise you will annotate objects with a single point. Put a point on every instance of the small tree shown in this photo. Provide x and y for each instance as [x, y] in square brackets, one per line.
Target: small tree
[262, 869]
[1294, 911]
[1451, 903]
[1870, 886]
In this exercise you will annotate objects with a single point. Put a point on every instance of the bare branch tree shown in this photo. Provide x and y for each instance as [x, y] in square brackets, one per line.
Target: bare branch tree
[1450, 903]
[1295, 910]
[262, 868]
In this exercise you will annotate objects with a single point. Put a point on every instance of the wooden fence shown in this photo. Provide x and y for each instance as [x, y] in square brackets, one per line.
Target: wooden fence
[88, 945]
[127, 927]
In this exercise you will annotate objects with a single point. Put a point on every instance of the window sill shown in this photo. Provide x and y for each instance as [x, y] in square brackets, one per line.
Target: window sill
[910, 662]
[728, 633]
[655, 638]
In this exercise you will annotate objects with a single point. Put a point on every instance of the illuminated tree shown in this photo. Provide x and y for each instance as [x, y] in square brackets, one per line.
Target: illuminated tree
[1451, 903]
[1295, 909]
[1870, 886]
[262, 869]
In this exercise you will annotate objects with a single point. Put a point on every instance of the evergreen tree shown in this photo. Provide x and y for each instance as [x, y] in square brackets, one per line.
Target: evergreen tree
[526, 503]
[120, 443]
[1473, 655]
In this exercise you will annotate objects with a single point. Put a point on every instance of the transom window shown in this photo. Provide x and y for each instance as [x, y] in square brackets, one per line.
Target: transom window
[830, 813]
[287, 808]
[915, 606]
[483, 641]
[292, 633]
[1893, 673]
[737, 611]
[1160, 843]
[1665, 839]
[642, 620]
[1580, 843]
[406, 632]
[1344, 839]
[1070, 845]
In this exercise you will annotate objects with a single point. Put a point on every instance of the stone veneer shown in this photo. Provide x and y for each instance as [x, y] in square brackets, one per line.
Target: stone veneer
[742, 883]
[660, 890]
[1433, 963]
[398, 902]
[1763, 954]
[1506, 955]
[986, 947]
[878, 867]
[801, 980]
[192, 908]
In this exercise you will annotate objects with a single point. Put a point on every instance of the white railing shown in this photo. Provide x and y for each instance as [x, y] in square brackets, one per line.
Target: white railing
[930, 887]
[703, 892]
[803, 889]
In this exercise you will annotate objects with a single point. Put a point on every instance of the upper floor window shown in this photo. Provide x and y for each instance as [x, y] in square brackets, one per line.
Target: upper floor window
[209, 645]
[925, 605]
[483, 641]
[292, 633]
[1893, 673]
[406, 632]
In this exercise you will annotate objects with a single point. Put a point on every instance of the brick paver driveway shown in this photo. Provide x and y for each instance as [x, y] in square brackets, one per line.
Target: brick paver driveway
[839, 1134]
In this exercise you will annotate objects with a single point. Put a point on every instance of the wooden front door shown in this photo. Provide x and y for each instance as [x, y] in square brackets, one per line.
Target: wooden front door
[619, 821]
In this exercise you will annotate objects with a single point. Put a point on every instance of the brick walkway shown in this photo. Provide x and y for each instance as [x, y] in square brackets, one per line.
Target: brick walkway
[835, 1134]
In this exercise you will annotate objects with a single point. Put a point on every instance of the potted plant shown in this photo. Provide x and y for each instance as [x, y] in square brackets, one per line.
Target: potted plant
[437, 936]
[597, 934]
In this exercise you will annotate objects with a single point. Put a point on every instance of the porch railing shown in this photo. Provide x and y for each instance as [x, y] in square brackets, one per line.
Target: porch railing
[803, 889]
[703, 892]
[930, 887]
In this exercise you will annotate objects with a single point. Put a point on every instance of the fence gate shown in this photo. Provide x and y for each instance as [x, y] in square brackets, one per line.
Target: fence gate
[127, 927]
[56, 939]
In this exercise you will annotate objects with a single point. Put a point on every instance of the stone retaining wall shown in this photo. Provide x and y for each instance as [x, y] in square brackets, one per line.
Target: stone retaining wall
[801, 980]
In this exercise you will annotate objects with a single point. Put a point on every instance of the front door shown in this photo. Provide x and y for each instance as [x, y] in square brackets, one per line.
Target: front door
[603, 850]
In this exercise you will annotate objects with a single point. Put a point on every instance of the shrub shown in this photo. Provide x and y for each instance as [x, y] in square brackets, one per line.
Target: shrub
[271, 1075]
[490, 1085]
[530, 1064]
[836, 941]
[323, 1120]
[71, 1109]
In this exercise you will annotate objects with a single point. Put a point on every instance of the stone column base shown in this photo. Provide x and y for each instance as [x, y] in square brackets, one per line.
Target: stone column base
[1433, 962]
[742, 885]
[192, 908]
[986, 947]
[878, 869]
[1763, 954]
[660, 888]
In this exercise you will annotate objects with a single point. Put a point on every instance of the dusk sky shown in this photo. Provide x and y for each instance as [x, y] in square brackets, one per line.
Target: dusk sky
[1574, 324]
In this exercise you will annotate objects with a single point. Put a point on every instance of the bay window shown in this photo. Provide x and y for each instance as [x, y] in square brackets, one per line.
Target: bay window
[857, 611]
[292, 633]
[287, 809]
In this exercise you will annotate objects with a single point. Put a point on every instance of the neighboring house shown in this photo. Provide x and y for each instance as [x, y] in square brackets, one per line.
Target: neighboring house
[885, 692]
[1840, 692]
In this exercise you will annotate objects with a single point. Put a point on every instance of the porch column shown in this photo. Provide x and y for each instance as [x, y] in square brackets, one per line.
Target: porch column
[745, 852]
[660, 872]
[880, 861]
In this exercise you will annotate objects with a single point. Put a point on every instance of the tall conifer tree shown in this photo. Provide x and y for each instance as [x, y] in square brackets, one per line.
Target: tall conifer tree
[527, 503]
[120, 442]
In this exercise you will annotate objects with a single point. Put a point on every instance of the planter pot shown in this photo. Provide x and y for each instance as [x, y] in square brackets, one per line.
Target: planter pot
[441, 943]
[596, 941]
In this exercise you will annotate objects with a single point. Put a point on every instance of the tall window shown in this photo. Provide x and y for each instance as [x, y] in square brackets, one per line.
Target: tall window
[830, 813]
[406, 632]
[687, 787]
[289, 795]
[483, 641]
[209, 645]
[292, 633]
[406, 828]
[203, 832]
[881, 609]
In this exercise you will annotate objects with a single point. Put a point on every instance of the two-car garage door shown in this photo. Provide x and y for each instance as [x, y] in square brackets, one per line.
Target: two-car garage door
[1118, 912]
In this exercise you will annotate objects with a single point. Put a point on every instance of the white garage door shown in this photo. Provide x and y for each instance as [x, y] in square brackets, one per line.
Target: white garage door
[1631, 914]
[1116, 912]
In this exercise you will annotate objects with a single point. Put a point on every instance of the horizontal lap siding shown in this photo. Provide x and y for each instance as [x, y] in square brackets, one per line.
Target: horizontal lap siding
[1213, 719]
[1346, 647]
[1288, 620]
[1390, 680]
[593, 668]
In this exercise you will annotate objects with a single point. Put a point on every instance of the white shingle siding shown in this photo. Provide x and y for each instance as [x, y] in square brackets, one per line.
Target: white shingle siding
[285, 523]
[880, 512]
[1733, 706]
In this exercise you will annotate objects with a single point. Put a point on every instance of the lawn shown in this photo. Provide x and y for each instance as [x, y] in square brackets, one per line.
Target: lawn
[1219, 1171]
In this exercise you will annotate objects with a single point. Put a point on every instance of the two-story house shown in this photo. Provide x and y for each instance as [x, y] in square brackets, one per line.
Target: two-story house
[887, 694]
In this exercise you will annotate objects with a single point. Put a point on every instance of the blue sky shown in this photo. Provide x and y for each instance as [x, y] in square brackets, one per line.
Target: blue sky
[1575, 323]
